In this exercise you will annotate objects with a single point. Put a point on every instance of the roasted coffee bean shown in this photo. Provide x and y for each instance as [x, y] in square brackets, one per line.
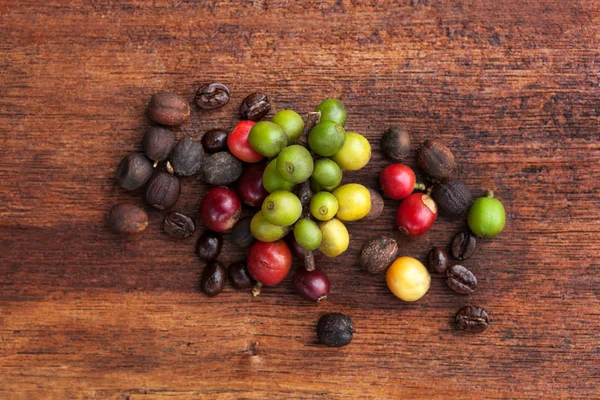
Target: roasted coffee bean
[178, 225]
[213, 278]
[335, 330]
[127, 218]
[221, 169]
[168, 109]
[162, 191]
[460, 279]
[134, 171]
[241, 234]
[239, 276]
[437, 260]
[463, 245]
[472, 319]
[255, 106]
[186, 157]
[435, 159]
[214, 140]
[212, 95]
[395, 143]
[158, 142]
[209, 245]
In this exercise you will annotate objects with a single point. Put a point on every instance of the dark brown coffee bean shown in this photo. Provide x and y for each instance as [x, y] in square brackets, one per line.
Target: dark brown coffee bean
[178, 225]
[241, 235]
[158, 142]
[186, 157]
[127, 218]
[239, 276]
[214, 140]
[435, 159]
[460, 279]
[453, 198]
[213, 278]
[212, 95]
[463, 245]
[162, 191]
[437, 260]
[168, 109]
[395, 143]
[221, 169]
[209, 245]
[134, 171]
[255, 106]
[472, 319]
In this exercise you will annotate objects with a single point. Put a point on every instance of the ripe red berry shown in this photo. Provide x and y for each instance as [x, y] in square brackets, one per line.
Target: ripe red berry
[312, 285]
[238, 143]
[398, 181]
[416, 214]
[269, 263]
[220, 209]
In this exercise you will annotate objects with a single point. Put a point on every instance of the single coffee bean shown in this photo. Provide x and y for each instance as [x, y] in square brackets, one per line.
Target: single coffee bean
[168, 109]
[239, 276]
[395, 143]
[221, 169]
[460, 279]
[213, 278]
[127, 218]
[241, 234]
[158, 142]
[186, 157]
[178, 225]
[209, 245]
[435, 159]
[463, 245]
[212, 95]
[335, 330]
[472, 319]
[437, 260]
[453, 198]
[214, 140]
[378, 254]
[255, 106]
[134, 171]
[162, 191]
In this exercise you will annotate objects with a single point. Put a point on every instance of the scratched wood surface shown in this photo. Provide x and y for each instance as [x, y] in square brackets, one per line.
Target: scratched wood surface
[512, 87]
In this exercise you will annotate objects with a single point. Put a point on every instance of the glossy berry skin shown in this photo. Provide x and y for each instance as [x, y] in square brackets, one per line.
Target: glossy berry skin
[269, 263]
[416, 214]
[312, 285]
[250, 185]
[397, 181]
[220, 209]
[238, 143]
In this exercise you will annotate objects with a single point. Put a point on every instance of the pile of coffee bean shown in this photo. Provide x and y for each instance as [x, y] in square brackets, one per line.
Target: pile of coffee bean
[160, 169]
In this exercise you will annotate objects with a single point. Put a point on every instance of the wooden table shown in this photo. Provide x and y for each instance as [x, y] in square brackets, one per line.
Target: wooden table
[512, 87]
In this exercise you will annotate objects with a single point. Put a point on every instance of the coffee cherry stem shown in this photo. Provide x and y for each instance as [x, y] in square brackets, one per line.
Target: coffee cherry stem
[312, 119]
[309, 261]
[420, 186]
[256, 289]
[489, 194]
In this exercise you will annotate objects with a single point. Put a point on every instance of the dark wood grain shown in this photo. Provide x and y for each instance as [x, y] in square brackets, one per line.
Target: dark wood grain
[511, 86]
